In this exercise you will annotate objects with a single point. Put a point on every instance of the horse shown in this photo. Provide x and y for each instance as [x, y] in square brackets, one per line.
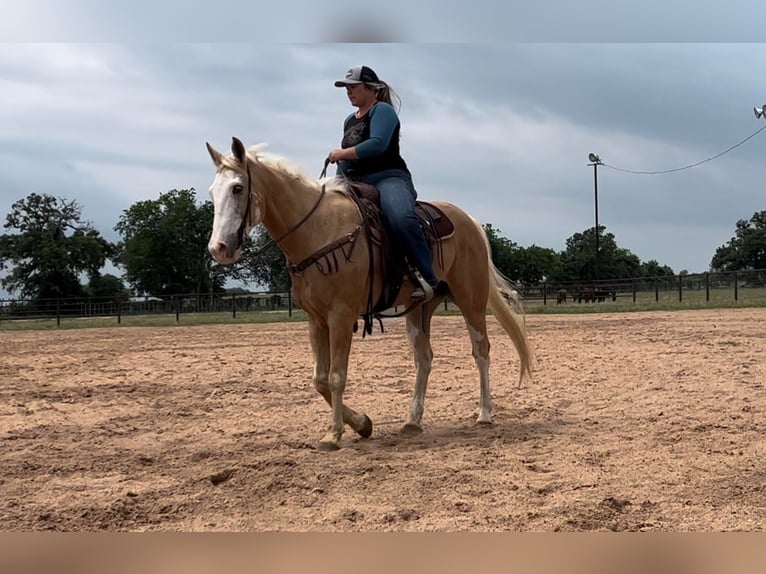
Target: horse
[336, 266]
[587, 294]
[602, 295]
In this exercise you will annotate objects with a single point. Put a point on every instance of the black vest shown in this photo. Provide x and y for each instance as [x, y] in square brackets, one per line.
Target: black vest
[357, 130]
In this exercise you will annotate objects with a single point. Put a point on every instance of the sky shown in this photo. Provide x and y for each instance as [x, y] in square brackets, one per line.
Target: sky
[109, 108]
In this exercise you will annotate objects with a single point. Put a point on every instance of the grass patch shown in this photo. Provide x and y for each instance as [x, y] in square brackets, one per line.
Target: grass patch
[159, 320]
[663, 301]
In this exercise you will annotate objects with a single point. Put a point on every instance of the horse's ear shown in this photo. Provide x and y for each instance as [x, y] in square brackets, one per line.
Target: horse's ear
[214, 154]
[238, 149]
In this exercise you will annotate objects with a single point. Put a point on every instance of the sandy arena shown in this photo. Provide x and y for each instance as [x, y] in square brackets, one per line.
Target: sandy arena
[634, 421]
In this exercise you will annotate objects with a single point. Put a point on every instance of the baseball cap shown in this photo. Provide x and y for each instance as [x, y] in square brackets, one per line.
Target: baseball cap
[358, 75]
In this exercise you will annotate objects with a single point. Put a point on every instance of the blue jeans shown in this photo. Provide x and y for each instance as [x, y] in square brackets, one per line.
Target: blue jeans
[397, 201]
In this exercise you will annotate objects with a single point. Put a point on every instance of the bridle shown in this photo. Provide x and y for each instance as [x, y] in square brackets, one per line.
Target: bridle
[246, 218]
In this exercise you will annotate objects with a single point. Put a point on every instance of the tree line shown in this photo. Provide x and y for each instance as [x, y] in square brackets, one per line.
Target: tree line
[47, 249]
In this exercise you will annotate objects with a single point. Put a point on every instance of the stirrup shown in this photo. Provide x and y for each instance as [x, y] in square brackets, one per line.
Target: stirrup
[425, 292]
[423, 296]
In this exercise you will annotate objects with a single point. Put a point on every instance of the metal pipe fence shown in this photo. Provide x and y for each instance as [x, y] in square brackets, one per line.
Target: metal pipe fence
[745, 287]
[178, 305]
[748, 286]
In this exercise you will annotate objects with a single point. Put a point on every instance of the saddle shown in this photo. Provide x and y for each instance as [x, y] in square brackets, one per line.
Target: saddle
[393, 264]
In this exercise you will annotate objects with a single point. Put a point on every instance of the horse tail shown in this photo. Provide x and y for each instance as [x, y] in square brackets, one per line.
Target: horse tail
[505, 303]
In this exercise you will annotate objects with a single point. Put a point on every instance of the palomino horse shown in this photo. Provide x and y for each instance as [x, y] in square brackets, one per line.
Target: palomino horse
[322, 231]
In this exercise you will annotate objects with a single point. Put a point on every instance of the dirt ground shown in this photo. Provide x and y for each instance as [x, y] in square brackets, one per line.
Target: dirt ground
[634, 421]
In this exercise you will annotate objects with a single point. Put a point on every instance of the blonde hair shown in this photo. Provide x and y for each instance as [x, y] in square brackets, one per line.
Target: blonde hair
[385, 93]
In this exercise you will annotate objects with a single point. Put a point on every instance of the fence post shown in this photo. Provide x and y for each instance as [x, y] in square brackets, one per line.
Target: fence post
[680, 288]
[736, 287]
[119, 311]
[289, 293]
[233, 306]
[707, 286]
[177, 306]
[656, 290]
[633, 285]
[545, 293]
[58, 312]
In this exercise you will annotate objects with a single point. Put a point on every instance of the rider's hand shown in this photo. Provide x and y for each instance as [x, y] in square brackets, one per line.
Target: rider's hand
[335, 155]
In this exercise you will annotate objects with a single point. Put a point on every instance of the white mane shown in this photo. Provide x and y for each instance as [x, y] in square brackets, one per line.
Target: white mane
[279, 163]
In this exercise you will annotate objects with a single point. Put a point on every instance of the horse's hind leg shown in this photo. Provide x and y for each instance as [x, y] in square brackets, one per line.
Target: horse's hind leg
[320, 344]
[420, 340]
[477, 329]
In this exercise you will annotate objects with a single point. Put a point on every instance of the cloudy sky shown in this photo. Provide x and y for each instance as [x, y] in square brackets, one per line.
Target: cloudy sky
[116, 113]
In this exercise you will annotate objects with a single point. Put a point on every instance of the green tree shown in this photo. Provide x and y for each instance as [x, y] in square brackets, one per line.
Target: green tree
[525, 265]
[623, 264]
[652, 268]
[107, 286]
[164, 245]
[535, 263]
[50, 247]
[502, 252]
[579, 257]
[578, 260]
[747, 249]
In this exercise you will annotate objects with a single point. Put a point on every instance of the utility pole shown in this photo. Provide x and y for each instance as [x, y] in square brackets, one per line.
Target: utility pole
[595, 162]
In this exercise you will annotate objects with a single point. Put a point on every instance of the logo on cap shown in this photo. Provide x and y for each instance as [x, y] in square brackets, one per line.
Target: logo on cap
[350, 72]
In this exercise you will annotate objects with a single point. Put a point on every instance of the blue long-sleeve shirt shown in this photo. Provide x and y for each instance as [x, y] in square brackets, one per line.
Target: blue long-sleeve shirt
[376, 139]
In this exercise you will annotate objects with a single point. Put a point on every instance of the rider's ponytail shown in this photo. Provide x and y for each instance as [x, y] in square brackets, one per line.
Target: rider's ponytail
[384, 93]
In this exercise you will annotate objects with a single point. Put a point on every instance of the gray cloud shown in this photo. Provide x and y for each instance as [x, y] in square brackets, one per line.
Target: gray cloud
[503, 130]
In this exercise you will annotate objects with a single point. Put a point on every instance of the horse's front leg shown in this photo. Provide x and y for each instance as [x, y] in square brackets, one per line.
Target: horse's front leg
[420, 341]
[339, 339]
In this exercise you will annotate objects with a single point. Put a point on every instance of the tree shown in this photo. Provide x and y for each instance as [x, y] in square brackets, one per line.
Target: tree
[579, 257]
[530, 265]
[525, 265]
[502, 252]
[164, 245]
[535, 263]
[747, 249]
[623, 264]
[106, 286]
[652, 268]
[52, 246]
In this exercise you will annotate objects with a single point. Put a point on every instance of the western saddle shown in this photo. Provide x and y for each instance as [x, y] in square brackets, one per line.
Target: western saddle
[393, 264]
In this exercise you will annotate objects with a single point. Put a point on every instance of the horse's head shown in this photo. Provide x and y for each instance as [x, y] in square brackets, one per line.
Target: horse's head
[237, 208]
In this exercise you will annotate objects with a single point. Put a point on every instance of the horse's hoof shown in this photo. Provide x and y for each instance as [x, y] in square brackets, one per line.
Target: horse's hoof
[327, 446]
[411, 429]
[484, 422]
[366, 429]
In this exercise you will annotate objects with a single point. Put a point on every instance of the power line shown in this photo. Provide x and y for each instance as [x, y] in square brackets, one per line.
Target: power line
[687, 166]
